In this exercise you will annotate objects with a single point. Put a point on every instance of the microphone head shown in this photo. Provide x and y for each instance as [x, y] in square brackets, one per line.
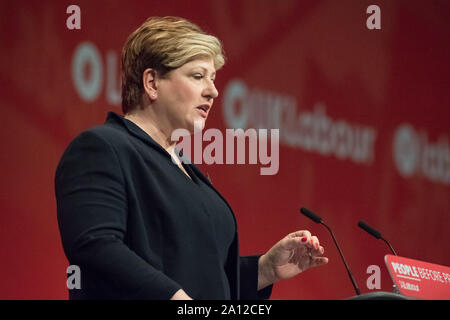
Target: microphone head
[369, 229]
[314, 217]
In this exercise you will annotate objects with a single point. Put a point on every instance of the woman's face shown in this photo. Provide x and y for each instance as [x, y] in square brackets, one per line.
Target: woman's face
[185, 95]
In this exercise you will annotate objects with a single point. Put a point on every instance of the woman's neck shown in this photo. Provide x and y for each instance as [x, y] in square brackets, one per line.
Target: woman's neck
[149, 125]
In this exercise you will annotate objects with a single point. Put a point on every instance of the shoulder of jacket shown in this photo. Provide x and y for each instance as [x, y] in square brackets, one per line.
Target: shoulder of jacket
[107, 133]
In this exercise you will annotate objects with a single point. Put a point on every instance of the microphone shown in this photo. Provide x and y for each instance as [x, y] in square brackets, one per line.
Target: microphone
[318, 219]
[375, 234]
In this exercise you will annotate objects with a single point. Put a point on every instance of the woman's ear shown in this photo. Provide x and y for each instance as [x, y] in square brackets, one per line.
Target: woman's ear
[149, 83]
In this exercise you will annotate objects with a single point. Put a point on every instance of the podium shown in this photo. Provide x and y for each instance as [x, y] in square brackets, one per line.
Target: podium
[419, 279]
[413, 280]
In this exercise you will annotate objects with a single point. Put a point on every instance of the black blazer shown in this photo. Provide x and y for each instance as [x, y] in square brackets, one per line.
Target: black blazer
[126, 221]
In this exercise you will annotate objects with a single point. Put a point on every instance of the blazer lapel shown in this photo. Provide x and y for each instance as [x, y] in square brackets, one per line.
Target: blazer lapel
[128, 125]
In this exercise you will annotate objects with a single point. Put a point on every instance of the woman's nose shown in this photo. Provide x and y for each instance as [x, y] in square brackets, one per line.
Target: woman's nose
[211, 91]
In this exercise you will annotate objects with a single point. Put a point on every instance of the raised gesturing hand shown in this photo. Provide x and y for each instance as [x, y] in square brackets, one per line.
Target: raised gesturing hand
[293, 254]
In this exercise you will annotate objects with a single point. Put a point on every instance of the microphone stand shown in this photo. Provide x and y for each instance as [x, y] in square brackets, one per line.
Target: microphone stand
[318, 219]
[343, 259]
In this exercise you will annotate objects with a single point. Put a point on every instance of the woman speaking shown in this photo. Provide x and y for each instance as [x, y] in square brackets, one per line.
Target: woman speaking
[139, 222]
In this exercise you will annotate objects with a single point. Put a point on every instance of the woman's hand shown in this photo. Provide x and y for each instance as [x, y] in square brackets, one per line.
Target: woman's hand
[292, 255]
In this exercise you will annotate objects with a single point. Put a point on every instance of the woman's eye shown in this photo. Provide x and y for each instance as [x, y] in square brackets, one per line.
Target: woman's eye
[198, 76]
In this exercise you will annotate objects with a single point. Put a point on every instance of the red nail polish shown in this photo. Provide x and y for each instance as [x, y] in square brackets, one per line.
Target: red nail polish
[304, 239]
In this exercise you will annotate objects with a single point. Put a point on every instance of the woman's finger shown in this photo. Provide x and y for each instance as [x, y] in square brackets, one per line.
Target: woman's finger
[301, 234]
[315, 242]
[291, 242]
[318, 261]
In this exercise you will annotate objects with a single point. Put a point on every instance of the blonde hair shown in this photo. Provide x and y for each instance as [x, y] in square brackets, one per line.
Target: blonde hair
[163, 44]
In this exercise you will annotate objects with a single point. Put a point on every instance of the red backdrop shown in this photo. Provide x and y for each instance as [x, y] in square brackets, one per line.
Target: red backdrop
[363, 115]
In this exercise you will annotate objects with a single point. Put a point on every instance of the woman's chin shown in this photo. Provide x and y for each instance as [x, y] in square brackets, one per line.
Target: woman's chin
[189, 128]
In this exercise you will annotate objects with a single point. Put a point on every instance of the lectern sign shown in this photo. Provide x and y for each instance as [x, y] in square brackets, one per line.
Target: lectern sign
[419, 279]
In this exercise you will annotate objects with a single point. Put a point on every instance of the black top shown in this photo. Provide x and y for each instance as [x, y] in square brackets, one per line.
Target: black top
[139, 228]
[223, 224]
